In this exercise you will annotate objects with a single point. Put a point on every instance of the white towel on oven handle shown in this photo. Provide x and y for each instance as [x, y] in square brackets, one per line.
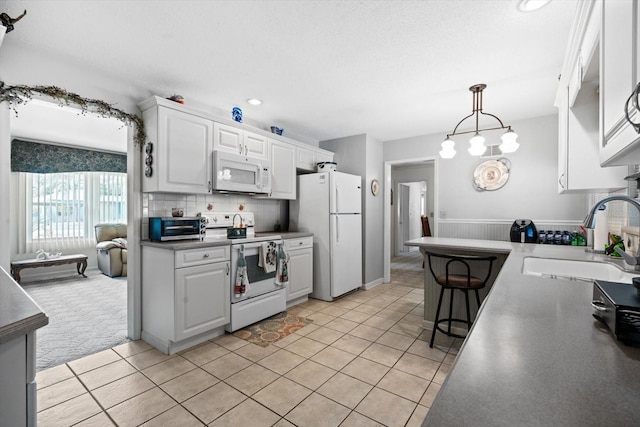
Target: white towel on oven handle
[267, 257]
[282, 275]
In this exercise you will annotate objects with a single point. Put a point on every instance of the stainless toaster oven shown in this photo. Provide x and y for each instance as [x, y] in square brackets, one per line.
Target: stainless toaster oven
[174, 228]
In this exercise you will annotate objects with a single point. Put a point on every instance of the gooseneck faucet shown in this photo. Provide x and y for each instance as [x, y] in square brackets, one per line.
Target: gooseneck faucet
[590, 220]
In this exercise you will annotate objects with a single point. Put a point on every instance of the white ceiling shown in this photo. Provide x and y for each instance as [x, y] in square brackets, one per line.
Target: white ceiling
[324, 68]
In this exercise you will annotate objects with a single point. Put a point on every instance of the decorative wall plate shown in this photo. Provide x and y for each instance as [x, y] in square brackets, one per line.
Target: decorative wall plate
[491, 175]
[375, 187]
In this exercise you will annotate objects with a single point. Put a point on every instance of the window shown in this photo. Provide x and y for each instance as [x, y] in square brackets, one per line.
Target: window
[61, 209]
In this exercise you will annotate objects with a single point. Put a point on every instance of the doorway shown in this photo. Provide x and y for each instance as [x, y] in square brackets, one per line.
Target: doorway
[412, 204]
[403, 172]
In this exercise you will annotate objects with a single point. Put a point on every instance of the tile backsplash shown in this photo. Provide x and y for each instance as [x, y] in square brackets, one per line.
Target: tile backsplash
[267, 212]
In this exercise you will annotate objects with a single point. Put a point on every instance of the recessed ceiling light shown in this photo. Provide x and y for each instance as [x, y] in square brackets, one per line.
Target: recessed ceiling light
[254, 101]
[531, 5]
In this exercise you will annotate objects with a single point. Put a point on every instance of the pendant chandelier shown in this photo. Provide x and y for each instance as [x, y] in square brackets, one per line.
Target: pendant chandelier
[477, 147]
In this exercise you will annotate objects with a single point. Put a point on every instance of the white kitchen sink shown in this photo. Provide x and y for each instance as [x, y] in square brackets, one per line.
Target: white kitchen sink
[575, 270]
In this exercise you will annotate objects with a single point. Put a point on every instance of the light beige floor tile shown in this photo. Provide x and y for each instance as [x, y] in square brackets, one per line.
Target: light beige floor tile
[148, 358]
[412, 319]
[386, 408]
[230, 342]
[351, 344]
[53, 375]
[407, 329]
[367, 309]
[325, 335]
[213, 402]
[333, 357]
[430, 395]
[356, 316]
[120, 390]
[382, 354]
[334, 310]
[346, 304]
[254, 352]
[300, 311]
[421, 348]
[367, 332]
[397, 341]
[99, 420]
[248, 413]
[94, 361]
[310, 374]
[416, 365]
[390, 314]
[306, 330]
[316, 304]
[403, 384]
[70, 412]
[449, 358]
[59, 392]
[418, 416]
[345, 390]
[341, 324]
[131, 348]
[379, 322]
[205, 353]
[282, 395]
[317, 410]
[305, 347]
[168, 370]
[320, 318]
[379, 303]
[283, 342]
[141, 408]
[252, 379]
[176, 416]
[106, 374]
[283, 423]
[226, 366]
[358, 420]
[188, 385]
[365, 370]
[282, 361]
[442, 373]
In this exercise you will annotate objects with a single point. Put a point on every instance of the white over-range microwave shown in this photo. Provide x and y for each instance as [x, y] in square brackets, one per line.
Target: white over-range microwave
[236, 173]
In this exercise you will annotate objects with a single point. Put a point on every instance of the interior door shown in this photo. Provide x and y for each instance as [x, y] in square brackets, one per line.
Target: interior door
[346, 253]
[403, 225]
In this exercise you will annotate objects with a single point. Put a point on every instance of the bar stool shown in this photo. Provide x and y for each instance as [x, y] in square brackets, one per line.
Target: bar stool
[464, 283]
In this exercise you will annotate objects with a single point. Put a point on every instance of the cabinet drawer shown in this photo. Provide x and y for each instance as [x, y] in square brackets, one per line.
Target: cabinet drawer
[299, 243]
[210, 255]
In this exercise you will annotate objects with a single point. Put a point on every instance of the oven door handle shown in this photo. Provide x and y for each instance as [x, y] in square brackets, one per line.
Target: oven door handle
[256, 245]
[599, 305]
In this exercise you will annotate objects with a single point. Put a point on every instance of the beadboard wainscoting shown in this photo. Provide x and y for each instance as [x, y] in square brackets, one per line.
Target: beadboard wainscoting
[494, 229]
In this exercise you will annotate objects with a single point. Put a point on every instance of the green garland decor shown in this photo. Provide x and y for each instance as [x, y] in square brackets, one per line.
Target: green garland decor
[20, 94]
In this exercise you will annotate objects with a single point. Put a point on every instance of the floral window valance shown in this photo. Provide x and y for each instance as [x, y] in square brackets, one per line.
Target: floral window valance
[35, 157]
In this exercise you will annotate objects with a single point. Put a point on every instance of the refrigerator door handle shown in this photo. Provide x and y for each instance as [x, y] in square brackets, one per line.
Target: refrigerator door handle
[337, 198]
[337, 228]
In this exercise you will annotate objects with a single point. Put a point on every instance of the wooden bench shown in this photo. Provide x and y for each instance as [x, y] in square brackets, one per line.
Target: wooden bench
[79, 260]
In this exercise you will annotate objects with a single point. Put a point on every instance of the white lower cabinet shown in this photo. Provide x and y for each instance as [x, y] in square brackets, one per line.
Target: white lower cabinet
[185, 296]
[300, 252]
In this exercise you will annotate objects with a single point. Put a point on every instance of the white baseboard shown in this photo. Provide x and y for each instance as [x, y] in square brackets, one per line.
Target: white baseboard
[174, 347]
[373, 284]
[299, 300]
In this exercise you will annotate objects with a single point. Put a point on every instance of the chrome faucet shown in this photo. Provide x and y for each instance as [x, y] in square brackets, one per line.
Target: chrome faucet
[590, 220]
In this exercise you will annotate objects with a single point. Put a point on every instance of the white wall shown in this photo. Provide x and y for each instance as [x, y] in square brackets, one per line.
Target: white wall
[530, 192]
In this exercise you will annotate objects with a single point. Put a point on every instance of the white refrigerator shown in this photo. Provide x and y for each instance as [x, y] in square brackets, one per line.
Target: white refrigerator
[329, 205]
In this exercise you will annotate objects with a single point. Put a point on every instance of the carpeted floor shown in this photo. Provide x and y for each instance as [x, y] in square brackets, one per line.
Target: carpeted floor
[85, 316]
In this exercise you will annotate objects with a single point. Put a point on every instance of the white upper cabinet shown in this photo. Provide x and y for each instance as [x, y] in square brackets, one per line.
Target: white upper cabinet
[619, 75]
[283, 170]
[578, 112]
[307, 158]
[239, 141]
[177, 138]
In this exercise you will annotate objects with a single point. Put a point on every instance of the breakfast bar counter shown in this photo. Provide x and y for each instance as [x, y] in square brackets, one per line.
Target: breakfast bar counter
[535, 355]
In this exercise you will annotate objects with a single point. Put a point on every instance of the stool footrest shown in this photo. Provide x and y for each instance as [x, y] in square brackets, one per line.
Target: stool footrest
[451, 334]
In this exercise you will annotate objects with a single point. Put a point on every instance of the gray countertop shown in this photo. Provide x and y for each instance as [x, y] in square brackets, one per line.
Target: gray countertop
[19, 314]
[178, 245]
[535, 355]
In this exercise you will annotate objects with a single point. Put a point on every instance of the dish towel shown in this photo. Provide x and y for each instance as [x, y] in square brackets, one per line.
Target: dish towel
[282, 275]
[267, 257]
[241, 285]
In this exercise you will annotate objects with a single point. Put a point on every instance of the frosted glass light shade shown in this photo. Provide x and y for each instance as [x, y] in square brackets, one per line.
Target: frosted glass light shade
[447, 151]
[509, 142]
[477, 145]
[3, 30]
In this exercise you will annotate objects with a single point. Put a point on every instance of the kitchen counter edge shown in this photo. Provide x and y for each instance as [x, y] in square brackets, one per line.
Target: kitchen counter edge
[535, 355]
[180, 245]
[19, 313]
